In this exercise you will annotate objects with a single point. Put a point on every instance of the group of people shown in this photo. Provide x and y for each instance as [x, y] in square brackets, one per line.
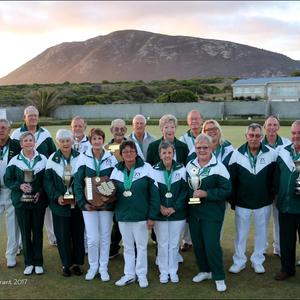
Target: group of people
[177, 188]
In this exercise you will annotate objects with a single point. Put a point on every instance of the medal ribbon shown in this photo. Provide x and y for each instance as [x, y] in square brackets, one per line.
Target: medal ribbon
[294, 155]
[3, 152]
[128, 179]
[97, 163]
[168, 178]
[252, 159]
[218, 151]
[27, 162]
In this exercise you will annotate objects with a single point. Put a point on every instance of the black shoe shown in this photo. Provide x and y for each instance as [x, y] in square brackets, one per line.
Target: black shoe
[77, 270]
[66, 272]
[185, 247]
[282, 276]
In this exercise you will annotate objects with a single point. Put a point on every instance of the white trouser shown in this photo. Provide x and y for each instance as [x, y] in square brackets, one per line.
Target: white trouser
[48, 222]
[98, 225]
[276, 242]
[186, 239]
[242, 226]
[168, 239]
[135, 233]
[12, 227]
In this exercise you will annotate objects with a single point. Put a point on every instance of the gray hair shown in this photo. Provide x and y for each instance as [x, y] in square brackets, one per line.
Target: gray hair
[6, 122]
[78, 118]
[139, 116]
[30, 109]
[253, 126]
[62, 134]
[216, 124]
[203, 137]
[194, 111]
[167, 118]
[296, 122]
[165, 145]
[113, 122]
[25, 134]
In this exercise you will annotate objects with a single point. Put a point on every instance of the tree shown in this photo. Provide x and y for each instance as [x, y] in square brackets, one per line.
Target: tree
[295, 73]
[181, 95]
[46, 100]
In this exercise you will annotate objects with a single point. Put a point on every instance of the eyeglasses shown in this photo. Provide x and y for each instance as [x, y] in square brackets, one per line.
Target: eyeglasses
[211, 129]
[117, 129]
[252, 135]
[128, 151]
[204, 148]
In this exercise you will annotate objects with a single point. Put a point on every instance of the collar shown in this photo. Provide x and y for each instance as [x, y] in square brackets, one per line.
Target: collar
[58, 154]
[24, 128]
[243, 149]
[36, 156]
[160, 166]
[138, 163]
[112, 141]
[106, 154]
[212, 162]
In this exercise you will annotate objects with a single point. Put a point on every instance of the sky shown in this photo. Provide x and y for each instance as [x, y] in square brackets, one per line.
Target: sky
[27, 28]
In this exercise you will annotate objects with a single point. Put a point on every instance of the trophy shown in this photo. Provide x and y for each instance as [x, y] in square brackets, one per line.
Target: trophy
[76, 144]
[297, 183]
[194, 182]
[28, 178]
[67, 179]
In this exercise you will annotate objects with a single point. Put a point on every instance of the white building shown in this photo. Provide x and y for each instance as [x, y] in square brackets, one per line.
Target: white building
[268, 88]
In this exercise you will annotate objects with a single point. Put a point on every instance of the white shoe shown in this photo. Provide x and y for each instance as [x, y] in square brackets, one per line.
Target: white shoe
[28, 270]
[38, 270]
[11, 263]
[90, 275]
[221, 286]
[258, 268]
[163, 278]
[124, 280]
[202, 276]
[104, 276]
[174, 278]
[236, 269]
[143, 282]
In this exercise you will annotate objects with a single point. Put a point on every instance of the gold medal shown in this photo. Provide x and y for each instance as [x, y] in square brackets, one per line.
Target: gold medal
[127, 194]
[168, 195]
[97, 179]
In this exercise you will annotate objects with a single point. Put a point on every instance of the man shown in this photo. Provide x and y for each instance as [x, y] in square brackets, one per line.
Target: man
[118, 129]
[81, 141]
[140, 136]
[8, 149]
[273, 140]
[288, 202]
[251, 168]
[45, 146]
[194, 121]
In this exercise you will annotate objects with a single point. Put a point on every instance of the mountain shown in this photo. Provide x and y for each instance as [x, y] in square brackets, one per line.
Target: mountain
[139, 55]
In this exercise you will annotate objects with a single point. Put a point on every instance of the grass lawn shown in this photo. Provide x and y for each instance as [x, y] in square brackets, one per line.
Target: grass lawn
[246, 285]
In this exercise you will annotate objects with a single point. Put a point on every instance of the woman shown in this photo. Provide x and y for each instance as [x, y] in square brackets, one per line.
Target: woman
[206, 218]
[67, 219]
[29, 200]
[137, 202]
[170, 222]
[98, 220]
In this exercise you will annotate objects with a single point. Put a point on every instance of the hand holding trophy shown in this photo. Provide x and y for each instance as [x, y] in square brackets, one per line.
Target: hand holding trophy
[194, 182]
[28, 196]
[67, 179]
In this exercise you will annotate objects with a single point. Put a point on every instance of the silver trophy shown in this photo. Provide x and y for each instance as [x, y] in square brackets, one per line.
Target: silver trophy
[297, 183]
[194, 182]
[28, 178]
[67, 179]
[76, 143]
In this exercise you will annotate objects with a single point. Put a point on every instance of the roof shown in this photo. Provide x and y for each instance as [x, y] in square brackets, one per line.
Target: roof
[265, 80]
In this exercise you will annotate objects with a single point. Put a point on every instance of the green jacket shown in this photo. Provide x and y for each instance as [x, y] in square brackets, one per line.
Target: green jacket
[53, 181]
[252, 184]
[43, 139]
[144, 202]
[85, 168]
[215, 180]
[285, 178]
[14, 177]
[181, 152]
[179, 190]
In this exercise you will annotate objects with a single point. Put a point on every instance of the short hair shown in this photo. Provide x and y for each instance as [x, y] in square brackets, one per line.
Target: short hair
[127, 143]
[253, 126]
[6, 122]
[62, 134]
[216, 124]
[273, 117]
[113, 122]
[30, 109]
[203, 137]
[139, 116]
[96, 131]
[296, 122]
[25, 134]
[80, 119]
[167, 118]
[164, 144]
[194, 111]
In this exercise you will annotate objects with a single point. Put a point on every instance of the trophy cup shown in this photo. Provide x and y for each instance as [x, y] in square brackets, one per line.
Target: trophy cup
[194, 182]
[28, 178]
[297, 183]
[67, 179]
[76, 144]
